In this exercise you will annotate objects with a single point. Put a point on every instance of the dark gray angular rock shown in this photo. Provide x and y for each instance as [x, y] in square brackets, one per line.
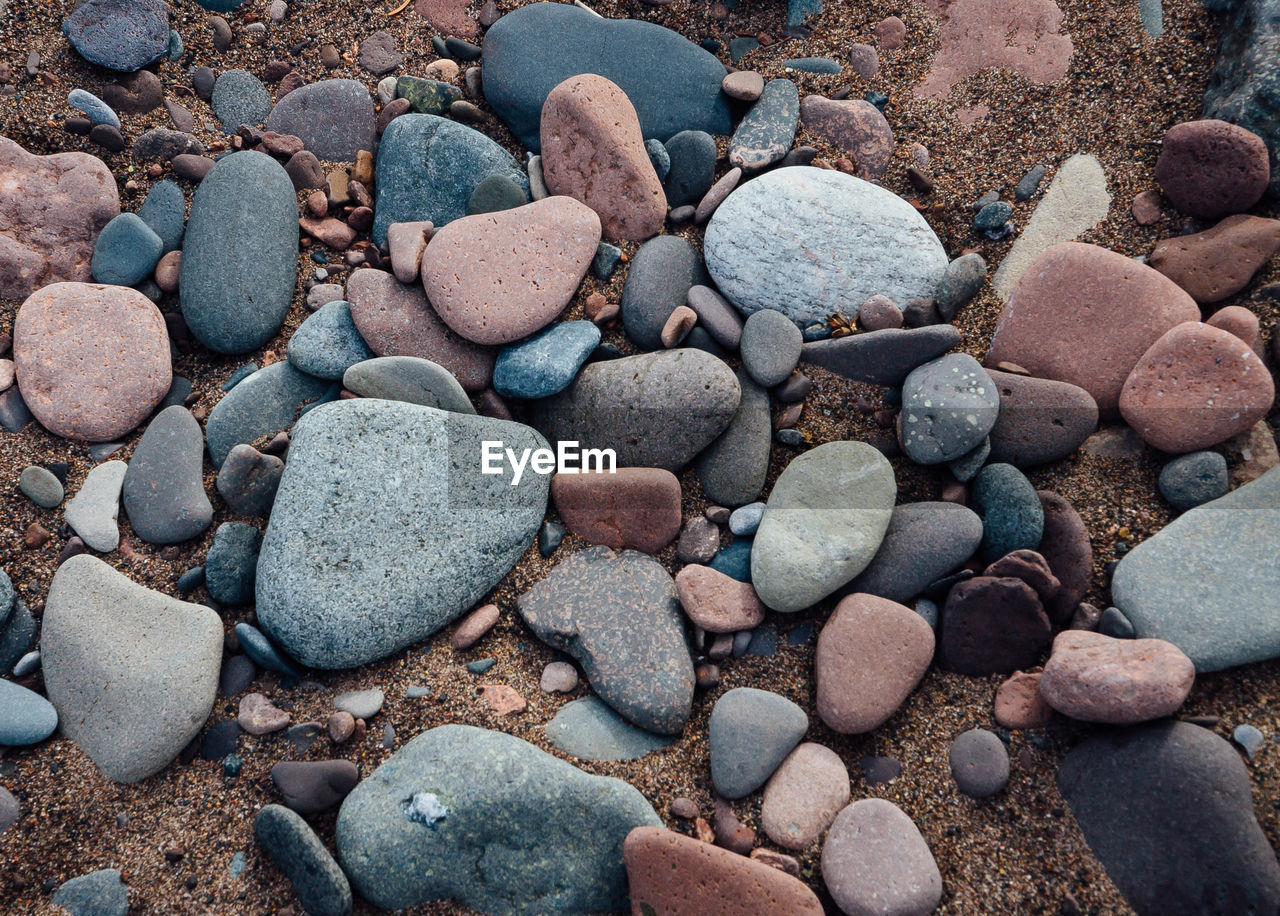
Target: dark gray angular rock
[733, 468]
[1212, 857]
[248, 480]
[924, 542]
[1193, 479]
[123, 35]
[657, 283]
[231, 566]
[1012, 517]
[617, 614]
[265, 402]
[333, 118]
[881, 357]
[765, 135]
[322, 888]
[165, 211]
[750, 733]
[163, 492]
[239, 258]
[673, 84]
[549, 834]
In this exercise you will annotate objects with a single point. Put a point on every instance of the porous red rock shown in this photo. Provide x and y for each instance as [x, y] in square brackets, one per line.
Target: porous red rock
[870, 656]
[993, 626]
[593, 151]
[397, 320]
[92, 361]
[804, 795]
[1216, 264]
[635, 508]
[1061, 322]
[710, 881]
[1195, 387]
[1238, 320]
[51, 211]
[716, 602]
[1019, 704]
[1096, 678]
[495, 278]
[1210, 169]
[854, 126]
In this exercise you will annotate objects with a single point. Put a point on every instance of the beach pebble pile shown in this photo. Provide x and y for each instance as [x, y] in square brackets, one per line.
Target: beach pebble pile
[426, 302]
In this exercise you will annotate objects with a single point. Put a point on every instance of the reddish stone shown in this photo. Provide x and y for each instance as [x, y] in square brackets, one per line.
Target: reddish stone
[891, 32]
[503, 700]
[1194, 388]
[672, 873]
[804, 795]
[92, 361]
[1061, 322]
[864, 61]
[1216, 264]
[716, 602]
[448, 17]
[1210, 169]
[495, 278]
[258, 716]
[636, 508]
[593, 151]
[1239, 321]
[1040, 420]
[871, 654]
[993, 626]
[879, 313]
[1095, 678]
[1146, 208]
[329, 231]
[167, 271]
[1066, 547]
[678, 326]
[474, 626]
[743, 85]
[1019, 704]
[397, 320]
[854, 126]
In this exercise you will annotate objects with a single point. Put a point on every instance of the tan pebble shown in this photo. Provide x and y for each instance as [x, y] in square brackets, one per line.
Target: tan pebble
[258, 716]
[1018, 702]
[678, 326]
[167, 271]
[474, 626]
[684, 808]
[341, 725]
[443, 69]
[781, 861]
[503, 700]
[559, 677]
[745, 85]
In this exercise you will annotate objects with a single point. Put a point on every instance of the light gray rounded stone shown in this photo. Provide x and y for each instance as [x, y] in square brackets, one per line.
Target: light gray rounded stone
[811, 242]
[384, 530]
[770, 347]
[41, 486]
[408, 379]
[363, 704]
[99, 893]
[875, 861]
[750, 733]
[327, 343]
[948, 407]
[132, 672]
[93, 511]
[549, 835]
[822, 525]
[333, 118]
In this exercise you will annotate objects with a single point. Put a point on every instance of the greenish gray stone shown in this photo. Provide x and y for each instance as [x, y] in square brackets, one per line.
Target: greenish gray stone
[427, 96]
[295, 849]
[823, 523]
[408, 379]
[495, 194]
[1208, 582]
[384, 530]
[1012, 515]
[732, 469]
[589, 729]
[163, 491]
[327, 343]
[264, 403]
[231, 565]
[766, 133]
[492, 822]
[42, 487]
[98, 893]
[750, 733]
[948, 407]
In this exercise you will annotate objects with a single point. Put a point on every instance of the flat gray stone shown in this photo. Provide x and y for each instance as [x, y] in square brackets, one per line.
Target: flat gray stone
[98, 893]
[163, 491]
[264, 403]
[750, 733]
[333, 118]
[765, 134]
[25, 716]
[408, 379]
[383, 530]
[924, 542]
[881, 357]
[41, 486]
[589, 729]
[239, 98]
[549, 835]
[770, 347]
[733, 468]
[93, 511]
[327, 343]
[295, 849]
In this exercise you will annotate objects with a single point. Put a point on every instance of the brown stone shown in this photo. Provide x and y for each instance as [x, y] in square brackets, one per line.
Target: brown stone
[716, 602]
[448, 17]
[1040, 420]
[678, 326]
[340, 726]
[134, 93]
[854, 126]
[167, 271]
[1019, 704]
[475, 625]
[329, 231]
[879, 313]
[1216, 264]
[784, 863]
[715, 197]
[1031, 568]
[993, 626]
[593, 151]
[407, 242]
[1096, 678]
[1210, 169]
[1252, 453]
[730, 832]
[863, 60]
[1065, 545]
[636, 508]
[258, 716]
[1194, 388]
[743, 85]
[1146, 208]
[92, 361]
[503, 700]
[51, 211]
[1238, 320]
[672, 873]
[497, 277]
[804, 795]
[871, 654]
[699, 541]
[891, 32]
[397, 320]
[1061, 322]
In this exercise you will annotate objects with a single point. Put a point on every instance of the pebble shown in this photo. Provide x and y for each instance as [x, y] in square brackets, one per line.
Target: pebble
[427, 96]
[1210, 169]
[132, 672]
[127, 251]
[334, 118]
[363, 704]
[122, 35]
[264, 403]
[588, 729]
[634, 508]
[92, 360]
[1193, 479]
[312, 786]
[874, 860]
[473, 627]
[1018, 702]
[960, 283]
[750, 733]
[718, 603]
[456, 791]
[239, 98]
[495, 194]
[1012, 516]
[9, 810]
[658, 282]
[41, 486]
[559, 677]
[379, 53]
[1221, 261]
[92, 512]
[803, 796]
[948, 407]
[1249, 738]
[1114, 623]
[1029, 183]
[765, 134]
[1040, 420]
[692, 171]
[854, 127]
[248, 479]
[408, 379]
[165, 212]
[327, 343]
[743, 85]
[258, 716]
[496, 278]
[321, 887]
[871, 655]
[800, 556]
[993, 626]
[94, 108]
[230, 566]
[1065, 545]
[979, 763]
[770, 346]
[99, 893]
[25, 716]
[17, 635]
[765, 230]
[163, 490]
[924, 542]
[1095, 678]
[238, 673]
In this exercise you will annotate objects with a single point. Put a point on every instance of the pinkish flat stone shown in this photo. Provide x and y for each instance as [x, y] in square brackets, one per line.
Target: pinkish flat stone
[1019, 704]
[635, 508]
[716, 602]
[804, 795]
[407, 242]
[1216, 264]
[855, 127]
[1095, 678]
[474, 626]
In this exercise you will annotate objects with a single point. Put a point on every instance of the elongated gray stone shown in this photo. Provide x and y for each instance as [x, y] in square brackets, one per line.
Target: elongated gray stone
[881, 357]
[293, 846]
[409, 379]
[163, 490]
[765, 135]
[924, 542]
[589, 729]
[733, 468]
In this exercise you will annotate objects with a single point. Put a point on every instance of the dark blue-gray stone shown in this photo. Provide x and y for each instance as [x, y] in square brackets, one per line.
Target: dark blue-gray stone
[429, 167]
[657, 283]
[239, 258]
[751, 731]
[409, 379]
[231, 567]
[1168, 810]
[1113, 623]
[333, 118]
[692, 157]
[165, 211]
[606, 259]
[948, 407]
[823, 65]
[339, 582]
[123, 35]
[126, 251]
[924, 542]
[734, 560]
[17, 635]
[550, 835]
[881, 357]
[1012, 516]
[1191, 480]
[770, 347]
[7, 593]
[266, 402]
[190, 580]
[495, 194]
[1031, 181]
[163, 490]
[295, 849]
[262, 651]
[220, 6]
[765, 135]
[589, 729]
[960, 282]
[25, 716]
[221, 738]
[658, 158]
[673, 84]
[98, 893]
[480, 666]
[992, 216]
[732, 469]
[239, 375]
[327, 343]
[545, 363]
[239, 98]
